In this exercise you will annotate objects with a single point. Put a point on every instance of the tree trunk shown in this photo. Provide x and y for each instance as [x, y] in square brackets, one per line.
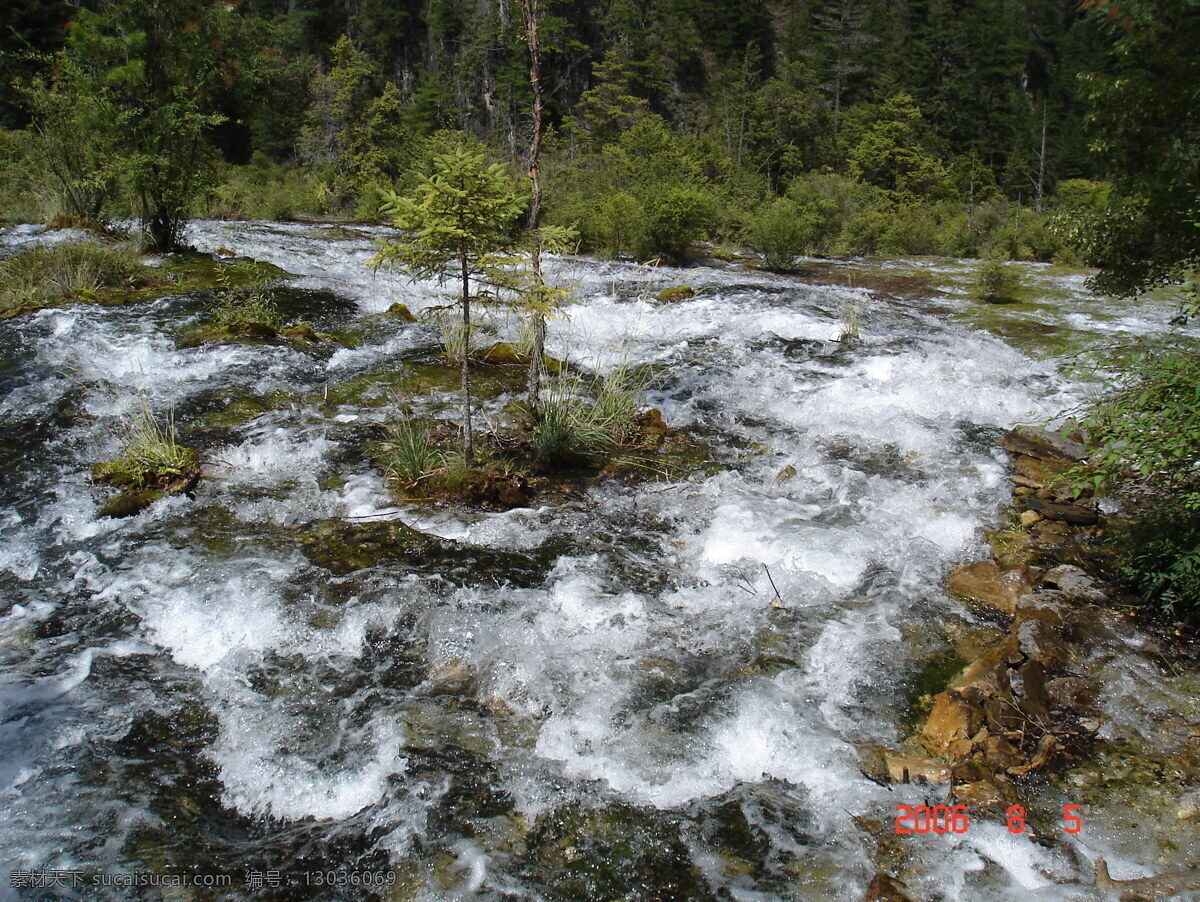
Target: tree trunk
[538, 352]
[468, 441]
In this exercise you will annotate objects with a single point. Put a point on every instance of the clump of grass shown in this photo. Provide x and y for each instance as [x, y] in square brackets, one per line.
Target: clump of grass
[252, 308]
[151, 455]
[582, 419]
[409, 453]
[452, 333]
[75, 269]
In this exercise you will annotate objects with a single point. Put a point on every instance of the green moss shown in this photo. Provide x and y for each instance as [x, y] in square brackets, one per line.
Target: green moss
[676, 294]
[933, 677]
[129, 503]
[241, 409]
[422, 380]
[344, 547]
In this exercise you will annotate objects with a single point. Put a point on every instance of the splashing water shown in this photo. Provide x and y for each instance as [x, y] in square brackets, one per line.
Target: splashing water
[660, 696]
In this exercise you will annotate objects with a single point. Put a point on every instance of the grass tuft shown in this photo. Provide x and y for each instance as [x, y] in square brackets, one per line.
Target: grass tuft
[39, 276]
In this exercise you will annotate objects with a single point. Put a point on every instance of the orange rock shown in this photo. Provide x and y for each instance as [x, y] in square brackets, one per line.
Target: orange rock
[952, 722]
[986, 583]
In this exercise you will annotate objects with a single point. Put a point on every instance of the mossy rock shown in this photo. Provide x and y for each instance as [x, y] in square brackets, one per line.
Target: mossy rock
[343, 547]
[676, 294]
[235, 333]
[129, 503]
[502, 353]
[129, 473]
[401, 312]
[301, 334]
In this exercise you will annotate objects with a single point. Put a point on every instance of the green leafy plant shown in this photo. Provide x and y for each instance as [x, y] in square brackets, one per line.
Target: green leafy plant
[781, 233]
[1144, 437]
[997, 282]
[252, 308]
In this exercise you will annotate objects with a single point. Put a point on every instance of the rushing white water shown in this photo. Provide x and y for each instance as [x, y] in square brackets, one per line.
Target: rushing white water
[662, 690]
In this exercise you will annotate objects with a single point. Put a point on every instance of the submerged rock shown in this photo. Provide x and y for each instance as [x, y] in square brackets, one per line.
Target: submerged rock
[344, 547]
[885, 888]
[1148, 888]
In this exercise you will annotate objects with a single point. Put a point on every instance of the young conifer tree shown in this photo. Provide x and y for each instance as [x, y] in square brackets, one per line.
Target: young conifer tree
[460, 224]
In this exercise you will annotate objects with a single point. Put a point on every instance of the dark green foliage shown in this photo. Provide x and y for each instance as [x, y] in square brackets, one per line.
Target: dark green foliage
[997, 283]
[1145, 128]
[1146, 439]
[781, 233]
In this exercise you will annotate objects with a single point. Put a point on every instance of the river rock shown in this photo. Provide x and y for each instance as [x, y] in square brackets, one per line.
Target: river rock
[1048, 605]
[1042, 444]
[955, 718]
[1077, 514]
[1075, 583]
[1038, 473]
[980, 794]
[450, 677]
[1072, 694]
[1028, 518]
[915, 769]
[1147, 888]
[1028, 684]
[884, 888]
[988, 674]
[676, 294]
[998, 753]
[1039, 641]
[986, 583]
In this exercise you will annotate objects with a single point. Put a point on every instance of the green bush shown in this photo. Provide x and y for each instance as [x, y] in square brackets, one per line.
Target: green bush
[831, 203]
[997, 282]
[910, 230]
[781, 233]
[1144, 435]
[24, 196]
[676, 218]
[252, 308]
[265, 190]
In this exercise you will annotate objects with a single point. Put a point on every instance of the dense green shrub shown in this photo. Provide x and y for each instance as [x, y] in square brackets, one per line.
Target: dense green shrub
[676, 219]
[781, 233]
[24, 196]
[266, 190]
[1145, 441]
[911, 229]
[997, 282]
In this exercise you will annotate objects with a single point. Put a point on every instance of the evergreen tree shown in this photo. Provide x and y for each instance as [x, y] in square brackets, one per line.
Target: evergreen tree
[460, 224]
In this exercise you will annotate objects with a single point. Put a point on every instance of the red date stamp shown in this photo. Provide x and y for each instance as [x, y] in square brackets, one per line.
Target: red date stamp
[957, 819]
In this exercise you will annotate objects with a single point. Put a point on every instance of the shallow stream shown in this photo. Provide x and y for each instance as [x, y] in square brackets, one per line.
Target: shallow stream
[657, 691]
